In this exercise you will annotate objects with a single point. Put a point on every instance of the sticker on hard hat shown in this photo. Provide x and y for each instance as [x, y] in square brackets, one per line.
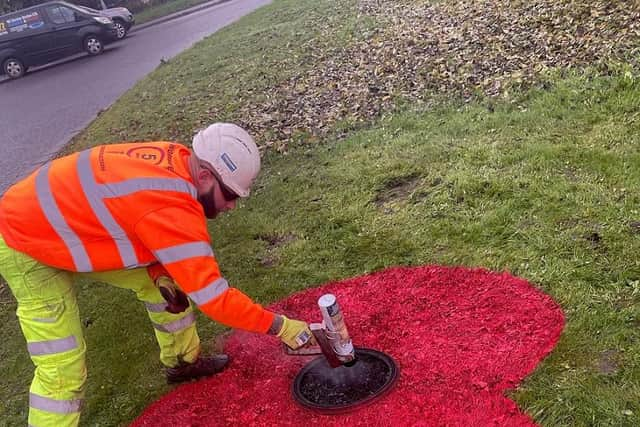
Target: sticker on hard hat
[227, 161]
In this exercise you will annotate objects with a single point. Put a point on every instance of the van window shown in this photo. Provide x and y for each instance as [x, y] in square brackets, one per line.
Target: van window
[61, 14]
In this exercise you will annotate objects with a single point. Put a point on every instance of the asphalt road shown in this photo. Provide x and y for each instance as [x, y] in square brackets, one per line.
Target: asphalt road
[42, 111]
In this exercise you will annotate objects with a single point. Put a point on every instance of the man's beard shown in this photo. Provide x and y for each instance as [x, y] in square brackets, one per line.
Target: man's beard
[208, 204]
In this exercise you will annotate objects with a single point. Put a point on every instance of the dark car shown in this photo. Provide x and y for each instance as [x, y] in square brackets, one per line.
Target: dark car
[121, 16]
[50, 31]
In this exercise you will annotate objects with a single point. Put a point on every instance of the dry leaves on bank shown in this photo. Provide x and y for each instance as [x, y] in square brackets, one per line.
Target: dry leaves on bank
[452, 47]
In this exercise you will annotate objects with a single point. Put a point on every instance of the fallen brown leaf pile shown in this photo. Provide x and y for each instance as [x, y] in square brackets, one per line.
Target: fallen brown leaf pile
[455, 47]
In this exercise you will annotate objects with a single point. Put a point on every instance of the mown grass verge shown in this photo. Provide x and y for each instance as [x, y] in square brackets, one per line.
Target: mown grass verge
[544, 185]
[164, 9]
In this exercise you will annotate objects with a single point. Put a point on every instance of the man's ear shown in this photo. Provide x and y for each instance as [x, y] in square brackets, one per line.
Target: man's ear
[205, 176]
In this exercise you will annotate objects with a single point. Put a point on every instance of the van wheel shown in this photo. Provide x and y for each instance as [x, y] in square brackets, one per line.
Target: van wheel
[93, 45]
[14, 68]
[121, 31]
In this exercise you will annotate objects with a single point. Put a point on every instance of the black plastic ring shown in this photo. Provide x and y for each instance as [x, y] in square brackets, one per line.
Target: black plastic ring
[320, 364]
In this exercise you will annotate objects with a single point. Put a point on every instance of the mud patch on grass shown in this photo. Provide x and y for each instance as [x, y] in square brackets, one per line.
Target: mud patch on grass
[594, 238]
[626, 302]
[634, 227]
[568, 223]
[274, 241]
[526, 223]
[571, 174]
[398, 189]
[269, 260]
[608, 364]
[596, 241]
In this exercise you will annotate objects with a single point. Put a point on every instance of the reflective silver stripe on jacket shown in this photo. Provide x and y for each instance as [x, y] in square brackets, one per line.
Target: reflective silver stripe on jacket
[176, 325]
[51, 405]
[95, 194]
[209, 292]
[155, 308]
[184, 251]
[60, 345]
[54, 216]
[130, 186]
[92, 192]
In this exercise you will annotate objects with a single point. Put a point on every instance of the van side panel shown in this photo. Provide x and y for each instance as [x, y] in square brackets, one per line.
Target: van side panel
[26, 38]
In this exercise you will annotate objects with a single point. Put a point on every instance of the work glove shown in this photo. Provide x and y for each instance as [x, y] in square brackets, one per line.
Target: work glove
[177, 301]
[295, 333]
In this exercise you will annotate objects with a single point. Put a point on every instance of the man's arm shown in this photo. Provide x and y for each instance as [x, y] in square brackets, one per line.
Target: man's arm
[178, 238]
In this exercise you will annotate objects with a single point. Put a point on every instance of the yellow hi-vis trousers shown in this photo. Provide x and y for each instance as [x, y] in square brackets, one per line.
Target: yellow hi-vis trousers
[50, 321]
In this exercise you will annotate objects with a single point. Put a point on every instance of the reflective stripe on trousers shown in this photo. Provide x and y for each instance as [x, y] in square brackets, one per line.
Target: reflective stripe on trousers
[52, 328]
[176, 333]
[48, 404]
[53, 346]
[50, 321]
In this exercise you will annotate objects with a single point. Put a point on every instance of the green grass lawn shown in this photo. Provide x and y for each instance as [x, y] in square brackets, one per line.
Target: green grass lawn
[544, 184]
[160, 10]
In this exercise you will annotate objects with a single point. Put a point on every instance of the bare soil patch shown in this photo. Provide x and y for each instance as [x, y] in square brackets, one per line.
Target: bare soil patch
[397, 189]
[274, 241]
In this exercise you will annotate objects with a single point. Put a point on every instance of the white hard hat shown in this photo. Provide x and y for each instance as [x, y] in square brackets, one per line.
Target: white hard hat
[232, 154]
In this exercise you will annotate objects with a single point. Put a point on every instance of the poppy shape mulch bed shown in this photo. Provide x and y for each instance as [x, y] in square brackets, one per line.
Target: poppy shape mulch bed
[461, 338]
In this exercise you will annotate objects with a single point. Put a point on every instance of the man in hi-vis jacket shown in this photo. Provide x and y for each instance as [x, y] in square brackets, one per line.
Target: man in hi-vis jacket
[135, 216]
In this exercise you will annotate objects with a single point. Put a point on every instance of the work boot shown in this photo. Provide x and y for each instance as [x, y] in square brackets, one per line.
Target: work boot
[202, 367]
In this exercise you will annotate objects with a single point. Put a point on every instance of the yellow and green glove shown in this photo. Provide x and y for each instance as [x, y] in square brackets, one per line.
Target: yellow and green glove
[294, 333]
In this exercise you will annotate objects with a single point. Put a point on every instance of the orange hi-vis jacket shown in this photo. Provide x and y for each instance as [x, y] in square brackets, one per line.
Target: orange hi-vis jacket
[125, 206]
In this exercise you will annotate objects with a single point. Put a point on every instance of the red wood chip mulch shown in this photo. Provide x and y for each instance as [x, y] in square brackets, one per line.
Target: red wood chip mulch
[461, 337]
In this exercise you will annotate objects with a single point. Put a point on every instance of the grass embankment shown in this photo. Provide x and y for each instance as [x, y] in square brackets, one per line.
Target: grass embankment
[542, 183]
[164, 9]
